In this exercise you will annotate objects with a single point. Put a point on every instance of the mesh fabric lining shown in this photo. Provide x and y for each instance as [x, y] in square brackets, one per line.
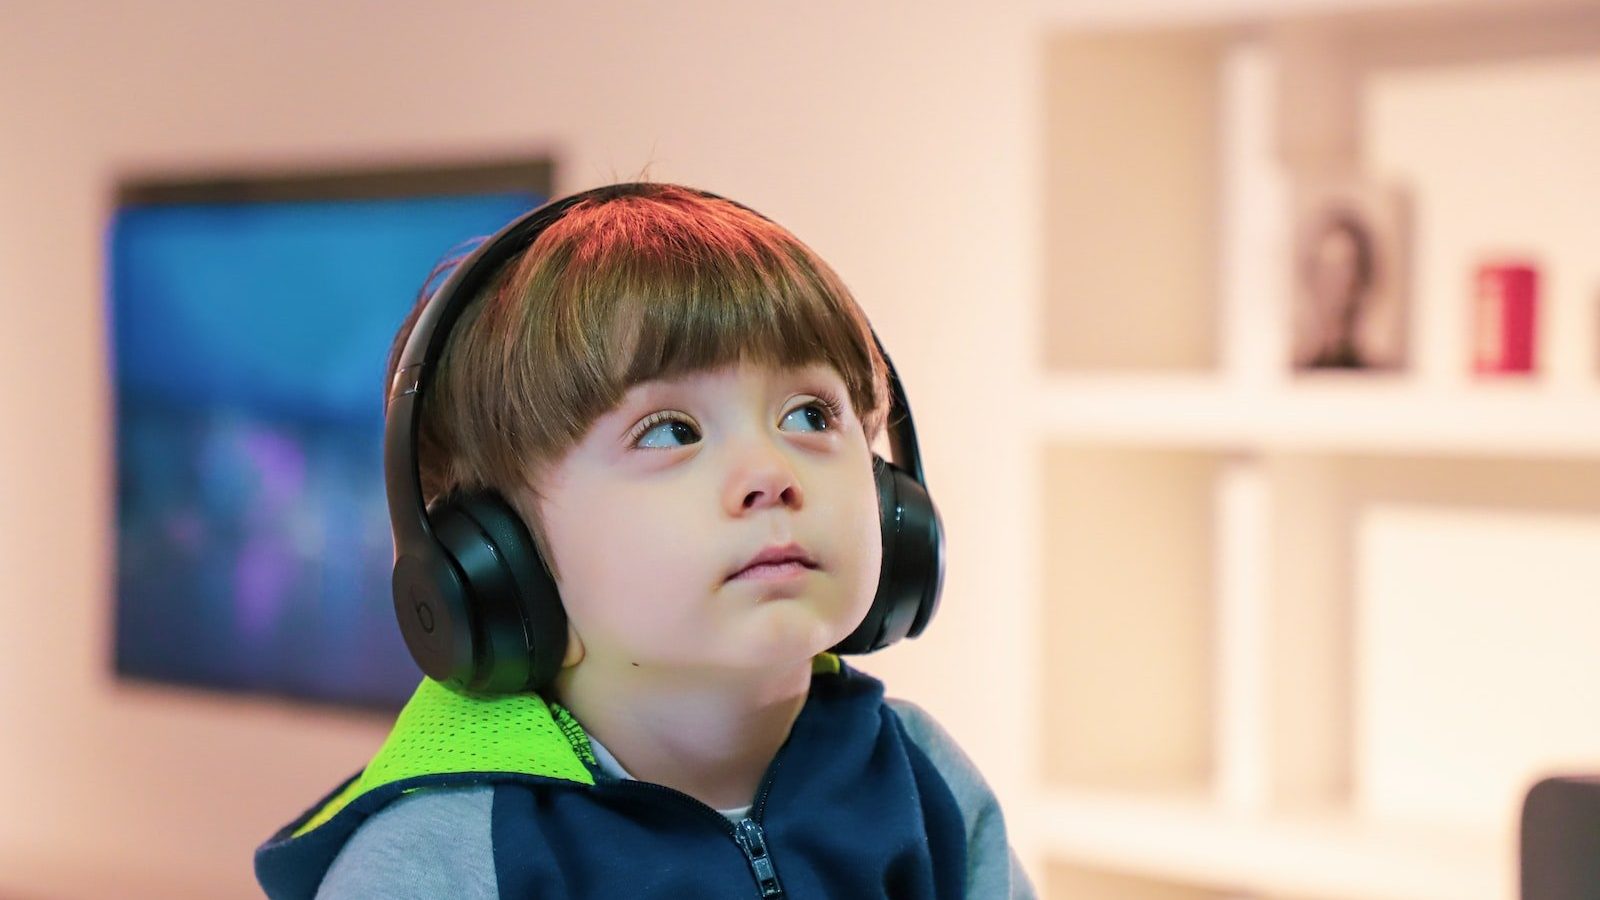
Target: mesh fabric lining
[441, 731]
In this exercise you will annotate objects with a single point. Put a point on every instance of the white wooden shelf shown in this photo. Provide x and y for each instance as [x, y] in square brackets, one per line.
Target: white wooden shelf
[1191, 840]
[1280, 585]
[1335, 415]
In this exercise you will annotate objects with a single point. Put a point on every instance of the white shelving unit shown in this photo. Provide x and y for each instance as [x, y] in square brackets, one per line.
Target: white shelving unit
[1310, 636]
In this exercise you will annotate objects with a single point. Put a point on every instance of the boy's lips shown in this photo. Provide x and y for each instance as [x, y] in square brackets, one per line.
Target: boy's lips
[774, 555]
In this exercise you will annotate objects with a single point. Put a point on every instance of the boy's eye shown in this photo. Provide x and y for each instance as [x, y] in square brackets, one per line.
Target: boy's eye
[821, 415]
[665, 423]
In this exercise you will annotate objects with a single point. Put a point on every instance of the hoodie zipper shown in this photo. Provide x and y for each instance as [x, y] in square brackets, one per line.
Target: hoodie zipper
[754, 844]
[747, 834]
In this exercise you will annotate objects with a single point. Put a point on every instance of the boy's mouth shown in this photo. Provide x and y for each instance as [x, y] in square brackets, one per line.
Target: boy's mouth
[775, 556]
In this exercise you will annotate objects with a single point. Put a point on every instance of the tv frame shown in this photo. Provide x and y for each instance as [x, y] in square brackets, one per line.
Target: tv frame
[535, 174]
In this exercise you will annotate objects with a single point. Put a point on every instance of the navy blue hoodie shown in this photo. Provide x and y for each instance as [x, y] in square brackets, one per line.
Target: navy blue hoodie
[851, 806]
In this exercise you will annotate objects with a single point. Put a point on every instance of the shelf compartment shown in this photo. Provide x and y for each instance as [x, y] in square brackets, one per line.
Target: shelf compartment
[1474, 668]
[1128, 617]
[1131, 271]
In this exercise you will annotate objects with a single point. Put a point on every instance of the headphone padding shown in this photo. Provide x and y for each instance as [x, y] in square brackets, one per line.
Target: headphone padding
[534, 621]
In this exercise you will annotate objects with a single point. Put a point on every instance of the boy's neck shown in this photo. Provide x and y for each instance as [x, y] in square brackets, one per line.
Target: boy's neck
[709, 737]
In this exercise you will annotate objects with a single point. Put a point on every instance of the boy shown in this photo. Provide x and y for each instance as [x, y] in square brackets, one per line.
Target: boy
[678, 398]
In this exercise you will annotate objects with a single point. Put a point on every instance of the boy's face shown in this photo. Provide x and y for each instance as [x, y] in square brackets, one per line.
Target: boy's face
[676, 488]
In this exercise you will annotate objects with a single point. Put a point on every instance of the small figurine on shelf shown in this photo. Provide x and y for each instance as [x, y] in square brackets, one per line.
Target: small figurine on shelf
[1347, 291]
[1506, 312]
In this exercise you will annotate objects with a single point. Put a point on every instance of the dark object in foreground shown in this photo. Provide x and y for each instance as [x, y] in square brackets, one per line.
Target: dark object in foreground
[1561, 839]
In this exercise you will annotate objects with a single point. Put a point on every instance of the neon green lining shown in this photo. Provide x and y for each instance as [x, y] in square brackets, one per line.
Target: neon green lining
[441, 731]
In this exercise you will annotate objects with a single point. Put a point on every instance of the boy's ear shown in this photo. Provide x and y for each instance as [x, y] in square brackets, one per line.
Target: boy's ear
[574, 648]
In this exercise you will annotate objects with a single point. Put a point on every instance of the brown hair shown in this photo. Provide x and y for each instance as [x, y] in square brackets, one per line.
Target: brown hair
[652, 281]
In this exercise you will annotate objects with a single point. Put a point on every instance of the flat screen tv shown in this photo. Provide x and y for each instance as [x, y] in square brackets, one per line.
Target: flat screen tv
[249, 327]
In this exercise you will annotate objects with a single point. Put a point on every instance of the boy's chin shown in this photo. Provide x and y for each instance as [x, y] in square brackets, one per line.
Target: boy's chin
[779, 637]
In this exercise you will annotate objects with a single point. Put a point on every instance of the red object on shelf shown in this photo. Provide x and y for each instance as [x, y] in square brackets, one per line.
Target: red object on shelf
[1507, 306]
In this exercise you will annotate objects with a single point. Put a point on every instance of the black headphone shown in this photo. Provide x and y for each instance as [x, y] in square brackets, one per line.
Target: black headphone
[477, 606]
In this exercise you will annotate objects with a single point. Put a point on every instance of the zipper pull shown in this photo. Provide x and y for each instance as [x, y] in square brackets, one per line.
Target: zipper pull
[754, 844]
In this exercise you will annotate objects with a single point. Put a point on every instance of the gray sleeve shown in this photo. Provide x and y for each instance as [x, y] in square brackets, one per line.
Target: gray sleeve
[429, 843]
[992, 866]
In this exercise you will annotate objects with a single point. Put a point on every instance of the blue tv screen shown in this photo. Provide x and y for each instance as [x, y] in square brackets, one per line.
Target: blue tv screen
[249, 343]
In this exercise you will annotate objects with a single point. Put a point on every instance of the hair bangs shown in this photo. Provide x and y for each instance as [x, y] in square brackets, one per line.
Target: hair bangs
[685, 291]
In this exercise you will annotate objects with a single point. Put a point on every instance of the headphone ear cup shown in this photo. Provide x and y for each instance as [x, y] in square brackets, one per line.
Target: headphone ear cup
[912, 570]
[435, 617]
[519, 628]
[917, 575]
[921, 554]
[535, 622]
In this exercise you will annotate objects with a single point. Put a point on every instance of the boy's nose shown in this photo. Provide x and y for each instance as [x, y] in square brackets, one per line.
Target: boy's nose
[764, 479]
[760, 498]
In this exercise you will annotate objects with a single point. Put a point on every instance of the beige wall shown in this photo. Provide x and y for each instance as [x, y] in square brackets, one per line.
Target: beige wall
[897, 138]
